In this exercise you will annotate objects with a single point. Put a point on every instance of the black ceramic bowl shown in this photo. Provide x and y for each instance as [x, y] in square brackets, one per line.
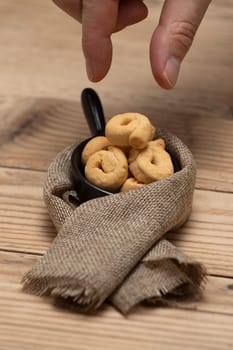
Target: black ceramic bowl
[93, 112]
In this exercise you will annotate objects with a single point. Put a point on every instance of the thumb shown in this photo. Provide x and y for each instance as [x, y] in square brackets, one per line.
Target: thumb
[173, 37]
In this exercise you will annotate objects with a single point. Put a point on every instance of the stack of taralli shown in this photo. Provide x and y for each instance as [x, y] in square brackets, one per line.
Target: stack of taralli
[127, 157]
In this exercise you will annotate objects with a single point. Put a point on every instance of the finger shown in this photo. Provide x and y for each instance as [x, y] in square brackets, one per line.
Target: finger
[72, 7]
[99, 23]
[130, 12]
[173, 37]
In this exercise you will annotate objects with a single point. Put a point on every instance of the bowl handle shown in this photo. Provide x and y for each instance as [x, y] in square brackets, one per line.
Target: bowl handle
[93, 111]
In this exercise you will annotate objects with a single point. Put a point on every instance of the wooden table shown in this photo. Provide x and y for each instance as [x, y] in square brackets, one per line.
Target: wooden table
[42, 75]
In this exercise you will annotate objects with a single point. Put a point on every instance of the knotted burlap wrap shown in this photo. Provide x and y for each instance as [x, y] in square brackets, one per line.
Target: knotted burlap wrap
[113, 247]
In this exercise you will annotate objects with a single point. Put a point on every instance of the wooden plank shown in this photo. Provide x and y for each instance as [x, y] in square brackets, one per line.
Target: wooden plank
[26, 227]
[29, 325]
[207, 236]
[35, 322]
[25, 224]
[32, 131]
[217, 296]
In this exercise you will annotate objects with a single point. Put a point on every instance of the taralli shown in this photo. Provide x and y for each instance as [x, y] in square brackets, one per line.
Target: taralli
[129, 135]
[132, 156]
[96, 144]
[157, 143]
[133, 166]
[107, 169]
[130, 129]
[138, 174]
[151, 164]
[125, 149]
[133, 153]
[156, 164]
[131, 184]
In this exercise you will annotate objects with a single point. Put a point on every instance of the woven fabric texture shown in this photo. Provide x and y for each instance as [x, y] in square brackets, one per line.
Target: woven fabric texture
[113, 247]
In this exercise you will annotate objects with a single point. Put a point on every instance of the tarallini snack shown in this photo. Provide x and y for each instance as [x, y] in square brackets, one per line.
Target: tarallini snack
[107, 169]
[152, 163]
[96, 144]
[127, 157]
[130, 129]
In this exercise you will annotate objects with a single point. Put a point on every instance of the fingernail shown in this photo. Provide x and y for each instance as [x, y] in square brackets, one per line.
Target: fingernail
[90, 72]
[171, 71]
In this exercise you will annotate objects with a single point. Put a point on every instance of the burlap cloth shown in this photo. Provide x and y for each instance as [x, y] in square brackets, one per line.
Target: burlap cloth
[113, 247]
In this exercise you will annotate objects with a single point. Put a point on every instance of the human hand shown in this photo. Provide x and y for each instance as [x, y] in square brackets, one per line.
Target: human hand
[170, 41]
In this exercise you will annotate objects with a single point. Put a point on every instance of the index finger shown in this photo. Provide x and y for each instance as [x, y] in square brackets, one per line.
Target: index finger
[99, 22]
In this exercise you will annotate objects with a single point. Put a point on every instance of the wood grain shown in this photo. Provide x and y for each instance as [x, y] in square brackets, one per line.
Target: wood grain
[32, 131]
[29, 324]
[25, 224]
[37, 323]
[217, 297]
[26, 227]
